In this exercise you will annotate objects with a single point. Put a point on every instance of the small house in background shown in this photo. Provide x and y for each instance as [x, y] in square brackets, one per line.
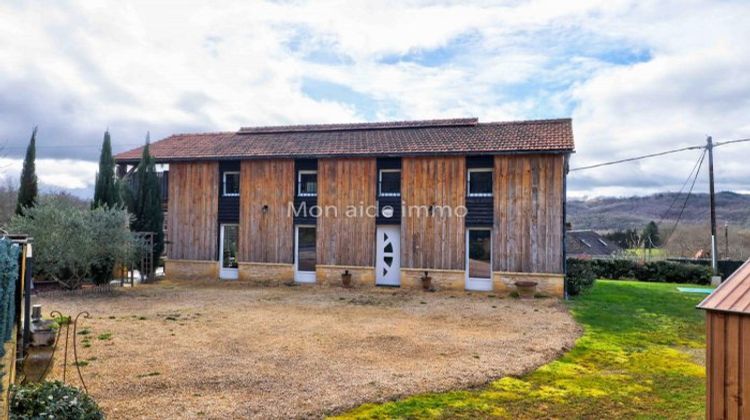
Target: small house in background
[728, 347]
[587, 243]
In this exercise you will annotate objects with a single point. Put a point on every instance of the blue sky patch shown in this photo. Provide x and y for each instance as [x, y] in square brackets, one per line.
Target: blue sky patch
[322, 90]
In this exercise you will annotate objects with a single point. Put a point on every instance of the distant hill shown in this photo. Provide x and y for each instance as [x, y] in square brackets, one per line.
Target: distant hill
[634, 212]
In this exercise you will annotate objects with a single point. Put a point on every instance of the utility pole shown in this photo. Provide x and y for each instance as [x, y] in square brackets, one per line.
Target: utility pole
[714, 250]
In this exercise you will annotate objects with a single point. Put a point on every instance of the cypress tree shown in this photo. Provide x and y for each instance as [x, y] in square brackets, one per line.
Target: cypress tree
[146, 203]
[28, 189]
[651, 235]
[105, 189]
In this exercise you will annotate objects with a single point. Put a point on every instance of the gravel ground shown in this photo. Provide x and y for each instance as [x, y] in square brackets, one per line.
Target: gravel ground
[229, 350]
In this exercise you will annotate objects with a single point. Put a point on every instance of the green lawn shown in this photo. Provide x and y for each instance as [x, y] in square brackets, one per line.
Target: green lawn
[641, 355]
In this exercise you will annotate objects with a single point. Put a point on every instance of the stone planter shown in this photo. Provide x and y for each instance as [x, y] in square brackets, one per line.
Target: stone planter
[526, 289]
[346, 279]
[426, 282]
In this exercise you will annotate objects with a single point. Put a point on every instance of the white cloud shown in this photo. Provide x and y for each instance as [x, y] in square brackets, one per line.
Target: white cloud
[53, 174]
[637, 77]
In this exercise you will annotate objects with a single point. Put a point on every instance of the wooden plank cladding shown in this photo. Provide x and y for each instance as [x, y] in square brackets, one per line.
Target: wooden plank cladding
[343, 240]
[435, 241]
[728, 365]
[528, 225]
[192, 211]
[266, 227]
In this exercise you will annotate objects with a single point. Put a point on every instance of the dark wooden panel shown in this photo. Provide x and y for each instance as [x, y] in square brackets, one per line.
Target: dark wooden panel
[480, 211]
[473, 162]
[528, 205]
[266, 235]
[304, 217]
[229, 207]
[344, 240]
[389, 163]
[192, 211]
[395, 204]
[434, 241]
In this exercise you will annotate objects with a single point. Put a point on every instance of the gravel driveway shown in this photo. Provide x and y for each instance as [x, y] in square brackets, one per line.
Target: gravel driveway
[219, 350]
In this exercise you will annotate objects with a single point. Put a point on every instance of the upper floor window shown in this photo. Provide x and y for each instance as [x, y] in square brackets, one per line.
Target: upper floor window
[231, 184]
[389, 183]
[307, 183]
[480, 182]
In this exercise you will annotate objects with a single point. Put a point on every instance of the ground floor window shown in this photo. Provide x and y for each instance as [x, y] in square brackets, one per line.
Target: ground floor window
[480, 253]
[306, 248]
[229, 236]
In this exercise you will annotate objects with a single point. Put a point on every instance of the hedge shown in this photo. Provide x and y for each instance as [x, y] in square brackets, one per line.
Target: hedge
[655, 271]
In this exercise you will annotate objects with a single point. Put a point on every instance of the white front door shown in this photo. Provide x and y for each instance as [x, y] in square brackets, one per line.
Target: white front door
[304, 254]
[228, 252]
[388, 256]
[479, 259]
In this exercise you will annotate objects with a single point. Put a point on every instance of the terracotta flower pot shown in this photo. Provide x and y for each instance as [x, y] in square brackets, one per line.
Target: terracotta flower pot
[526, 289]
[346, 279]
[426, 282]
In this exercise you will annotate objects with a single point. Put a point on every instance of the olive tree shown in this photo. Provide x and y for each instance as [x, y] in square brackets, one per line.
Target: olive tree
[70, 242]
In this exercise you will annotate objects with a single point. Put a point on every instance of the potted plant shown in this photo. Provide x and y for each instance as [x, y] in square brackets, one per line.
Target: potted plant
[346, 279]
[526, 289]
[426, 281]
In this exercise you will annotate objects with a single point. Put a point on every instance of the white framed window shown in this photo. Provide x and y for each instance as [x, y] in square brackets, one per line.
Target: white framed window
[479, 182]
[231, 184]
[389, 183]
[307, 183]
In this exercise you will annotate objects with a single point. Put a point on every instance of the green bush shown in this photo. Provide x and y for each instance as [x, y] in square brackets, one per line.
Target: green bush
[54, 400]
[614, 269]
[579, 277]
[655, 271]
[73, 244]
[671, 272]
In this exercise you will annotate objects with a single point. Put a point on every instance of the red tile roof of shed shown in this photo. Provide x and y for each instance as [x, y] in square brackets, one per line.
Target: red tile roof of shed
[733, 295]
[399, 138]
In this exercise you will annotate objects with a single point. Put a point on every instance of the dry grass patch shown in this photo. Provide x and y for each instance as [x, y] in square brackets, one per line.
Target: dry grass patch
[179, 349]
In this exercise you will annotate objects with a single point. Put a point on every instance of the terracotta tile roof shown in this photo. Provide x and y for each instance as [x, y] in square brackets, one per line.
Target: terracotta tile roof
[733, 295]
[400, 138]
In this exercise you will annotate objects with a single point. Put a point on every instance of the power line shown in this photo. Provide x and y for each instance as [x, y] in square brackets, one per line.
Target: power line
[687, 197]
[723, 143]
[677, 196]
[667, 152]
[599, 165]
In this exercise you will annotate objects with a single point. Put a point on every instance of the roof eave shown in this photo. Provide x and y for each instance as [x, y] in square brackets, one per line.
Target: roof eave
[120, 160]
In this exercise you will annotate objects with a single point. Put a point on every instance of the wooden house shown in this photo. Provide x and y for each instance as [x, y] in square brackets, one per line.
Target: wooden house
[475, 205]
[728, 347]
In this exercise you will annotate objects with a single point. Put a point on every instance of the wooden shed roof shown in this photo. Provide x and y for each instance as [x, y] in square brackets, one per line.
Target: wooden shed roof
[395, 138]
[733, 295]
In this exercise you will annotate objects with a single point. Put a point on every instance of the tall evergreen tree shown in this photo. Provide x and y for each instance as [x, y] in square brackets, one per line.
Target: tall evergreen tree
[28, 189]
[651, 237]
[146, 202]
[105, 190]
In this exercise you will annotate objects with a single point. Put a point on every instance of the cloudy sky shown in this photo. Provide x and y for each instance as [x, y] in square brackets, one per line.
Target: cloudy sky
[635, 76]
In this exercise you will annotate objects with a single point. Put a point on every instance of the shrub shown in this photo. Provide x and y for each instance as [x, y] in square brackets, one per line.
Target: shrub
[614, 269]
[72, 243]
[655, 271]
[579, 277]
[671, 272]
[52, 400]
